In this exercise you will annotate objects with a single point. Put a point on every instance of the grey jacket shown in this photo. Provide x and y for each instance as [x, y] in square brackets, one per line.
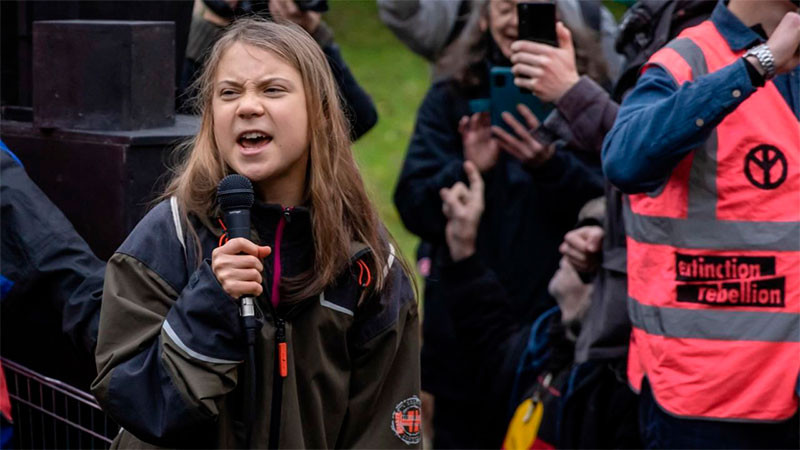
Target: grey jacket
[423, 25]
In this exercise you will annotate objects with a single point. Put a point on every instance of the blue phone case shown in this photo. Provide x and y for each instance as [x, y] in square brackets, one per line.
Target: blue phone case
[505, 96]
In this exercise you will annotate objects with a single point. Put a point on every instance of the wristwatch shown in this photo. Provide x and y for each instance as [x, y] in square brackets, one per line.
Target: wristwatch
[764, 56]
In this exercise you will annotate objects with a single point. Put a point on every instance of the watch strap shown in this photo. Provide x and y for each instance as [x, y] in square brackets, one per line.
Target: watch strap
[764, 56]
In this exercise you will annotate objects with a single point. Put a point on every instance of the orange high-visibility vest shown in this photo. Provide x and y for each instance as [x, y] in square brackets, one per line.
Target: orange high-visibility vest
[714, 257]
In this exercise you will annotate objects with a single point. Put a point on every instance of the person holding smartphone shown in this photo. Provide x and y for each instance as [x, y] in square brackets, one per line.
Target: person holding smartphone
[533, 195]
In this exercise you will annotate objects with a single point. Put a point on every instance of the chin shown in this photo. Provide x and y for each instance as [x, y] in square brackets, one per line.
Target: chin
[254, 174]
[505, 49]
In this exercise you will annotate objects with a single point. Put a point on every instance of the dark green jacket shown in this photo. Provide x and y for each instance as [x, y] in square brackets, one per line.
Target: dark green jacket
[171, 346]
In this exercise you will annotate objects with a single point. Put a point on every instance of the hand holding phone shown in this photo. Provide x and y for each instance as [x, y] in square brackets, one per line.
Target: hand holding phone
[505, 97]
[546, 70]
[308, 19]
[522, 143]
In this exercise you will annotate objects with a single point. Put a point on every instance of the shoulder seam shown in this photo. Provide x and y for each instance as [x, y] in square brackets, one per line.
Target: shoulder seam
[175, 291]
[176, 219]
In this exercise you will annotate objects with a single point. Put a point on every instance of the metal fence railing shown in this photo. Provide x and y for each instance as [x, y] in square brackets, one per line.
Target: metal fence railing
[50, 414]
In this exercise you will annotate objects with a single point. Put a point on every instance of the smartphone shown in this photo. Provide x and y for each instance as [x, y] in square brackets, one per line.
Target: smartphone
[505, 96]
[320, 6]
[537, 22]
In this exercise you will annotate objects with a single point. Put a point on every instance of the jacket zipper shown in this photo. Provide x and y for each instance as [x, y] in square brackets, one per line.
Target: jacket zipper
[281, 362]
[281, 369]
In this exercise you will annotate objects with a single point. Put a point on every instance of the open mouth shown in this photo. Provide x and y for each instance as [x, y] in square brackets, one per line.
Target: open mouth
[253, 139]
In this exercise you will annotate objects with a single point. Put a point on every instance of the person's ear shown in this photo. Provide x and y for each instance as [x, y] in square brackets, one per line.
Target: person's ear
[483, 24]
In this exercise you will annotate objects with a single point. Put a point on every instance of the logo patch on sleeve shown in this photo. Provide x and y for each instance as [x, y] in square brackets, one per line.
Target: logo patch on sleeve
[407, 420]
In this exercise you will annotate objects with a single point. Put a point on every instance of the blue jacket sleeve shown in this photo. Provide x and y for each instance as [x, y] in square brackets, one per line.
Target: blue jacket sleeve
[660, 122]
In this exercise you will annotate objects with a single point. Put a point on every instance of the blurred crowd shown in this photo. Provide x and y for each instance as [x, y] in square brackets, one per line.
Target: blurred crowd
[557, 308]
[611, 262]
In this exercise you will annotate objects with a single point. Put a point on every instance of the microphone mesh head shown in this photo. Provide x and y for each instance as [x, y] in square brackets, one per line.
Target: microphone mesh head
[235, 192]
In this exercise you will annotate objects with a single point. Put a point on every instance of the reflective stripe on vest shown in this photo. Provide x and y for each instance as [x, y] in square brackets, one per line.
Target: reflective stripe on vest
[714, 257]
[724, 325]
[712, 234]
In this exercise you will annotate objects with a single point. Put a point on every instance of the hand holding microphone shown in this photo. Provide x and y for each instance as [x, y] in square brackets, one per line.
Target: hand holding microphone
[237, 264]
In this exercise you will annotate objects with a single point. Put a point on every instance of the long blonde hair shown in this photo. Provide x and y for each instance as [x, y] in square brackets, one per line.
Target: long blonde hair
[341, 212]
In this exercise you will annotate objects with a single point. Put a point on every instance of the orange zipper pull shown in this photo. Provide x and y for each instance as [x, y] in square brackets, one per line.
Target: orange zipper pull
[284, 364]
[283, 353]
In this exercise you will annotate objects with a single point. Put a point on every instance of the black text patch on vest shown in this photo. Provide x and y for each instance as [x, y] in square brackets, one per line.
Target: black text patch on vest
[729, 281]
[766, 167]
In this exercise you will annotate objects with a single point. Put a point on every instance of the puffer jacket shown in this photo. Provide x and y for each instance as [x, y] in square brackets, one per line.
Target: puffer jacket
[171, 347]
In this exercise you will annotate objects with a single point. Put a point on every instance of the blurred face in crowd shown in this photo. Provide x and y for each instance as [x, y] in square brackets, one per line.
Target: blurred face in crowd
[503, 24]
[260, 119]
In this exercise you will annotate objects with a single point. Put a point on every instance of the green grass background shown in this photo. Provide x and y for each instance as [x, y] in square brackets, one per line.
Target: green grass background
[397, 80]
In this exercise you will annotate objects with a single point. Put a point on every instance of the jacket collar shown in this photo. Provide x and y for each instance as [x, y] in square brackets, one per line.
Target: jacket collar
[266, 216]
[275, 210]
[737, 34]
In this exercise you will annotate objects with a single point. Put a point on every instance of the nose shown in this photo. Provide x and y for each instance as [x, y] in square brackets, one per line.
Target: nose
[250, 106]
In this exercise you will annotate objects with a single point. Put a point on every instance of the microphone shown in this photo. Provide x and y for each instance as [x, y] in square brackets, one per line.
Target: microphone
[235, 197]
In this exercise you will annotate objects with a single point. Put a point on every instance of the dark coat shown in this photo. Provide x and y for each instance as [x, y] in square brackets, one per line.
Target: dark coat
[515, 358]
[528, 211]
[583, 116]
[50, 282]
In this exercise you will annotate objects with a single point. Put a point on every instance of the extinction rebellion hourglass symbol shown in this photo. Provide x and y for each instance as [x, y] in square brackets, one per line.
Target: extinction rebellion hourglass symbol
[766, 167]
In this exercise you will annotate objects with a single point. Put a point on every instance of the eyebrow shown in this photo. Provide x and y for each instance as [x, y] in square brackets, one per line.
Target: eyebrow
[260, 82]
